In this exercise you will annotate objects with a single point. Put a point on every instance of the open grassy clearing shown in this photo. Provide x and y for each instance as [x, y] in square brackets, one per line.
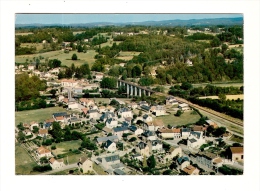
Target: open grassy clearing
[109, 43]
[184, 119]
[64, 147]
[23, 33]
[39, 46]
[230, 97]
[127, 55]
[237, 139]
[77, 32]
[107, 101]
[220, 84]
[36, 115]
[23, 162]
[65, 58]
[99, 169]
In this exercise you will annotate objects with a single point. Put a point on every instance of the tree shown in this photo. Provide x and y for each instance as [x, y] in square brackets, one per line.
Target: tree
[151, 161]
[80, 48]
[56, 131]
[178, 113]
[186, 86]
[140, 113]
[109, 83]
[215, 42]
[74, 57]
[222, 97]
[53, 92]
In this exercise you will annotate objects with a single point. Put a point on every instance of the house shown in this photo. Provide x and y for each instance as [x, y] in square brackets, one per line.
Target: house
[173, 152]
[93, 114]
[84, 110]
[198, 128]
[171, 101]
[101, 140]
[149, 135]
[68, 83]
[149, 126]
[56, 164]
[27, 132]
[195, 140]
[124, 112]
[102, 109]
[137, 156]
[159, 110]
[60, 98]
[236, 153]
[145, 108]
[99, 76]
[31, 67]
[74, 120]
[184, 107]
[211, 123]
[110, 108]
[155, 145]
[119, 172]
[143, 103]
[110, 146]
[86, 102]
[169, 133]
[43, 152]
[119, 131]
[142, 148]
[185, 133]
[59, 116]
[77, 90]
[147, 118]
[33, 124]
[111, 123]
[43, 132]
[191, 170]
[107, 115]
[158, 123]
[85, 164]
[75, 105]
[135, 130]
[133, 105]
[107, 161]
[183, 162]
[208, 159]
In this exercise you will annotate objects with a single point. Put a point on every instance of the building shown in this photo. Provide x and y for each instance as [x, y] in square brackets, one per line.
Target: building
[169, 133]
[125, 112]
[111, 123]
[236, 153]
[191, 170]
[43, 132]
[185, 133]
[101, 140]
[183, 162]
[155, 145]
[147, 118]
[85, 164]
[195, 140]
[68, 83]
[135, 130]
[142, 148]
[159, 110]
[93, 114]
[56, 164]
[171, 101]
[110, 146]
[43, 152]
[119, 131]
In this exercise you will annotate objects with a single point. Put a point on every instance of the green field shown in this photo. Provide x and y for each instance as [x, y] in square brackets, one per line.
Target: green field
[65, 58]
[64, 147]
[39, 46]
[38, 115]
[127, 55]
[184, 119]
[219, 84]
[99, 169]
[23, 162]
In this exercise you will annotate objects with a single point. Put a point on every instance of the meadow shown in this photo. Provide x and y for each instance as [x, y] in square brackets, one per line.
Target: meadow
[127, 55]
[230, 97]
[36, 115]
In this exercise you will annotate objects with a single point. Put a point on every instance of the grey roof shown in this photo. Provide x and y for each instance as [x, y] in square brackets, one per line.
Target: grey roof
[145, 116]
[182, 159]
[185, 130]
[74, 119]
[92, 111]
[196, 134]
[192, 140]
[47, 125]
[118, 129]
[142, 102]
[107, 115]
[148, 133]
[119, 172]
[144, 107]
[118, 165]
[137, 155]
[132, 128]
[112, 158]
[125, 109]
[141, 145]
[108, 143]
[110, 120]
[103, 139]
[59, 114]
[156, 142]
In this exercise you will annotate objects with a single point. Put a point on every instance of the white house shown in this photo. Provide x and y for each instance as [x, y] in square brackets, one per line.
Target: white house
[86, 102]
[125, 112]
[68, 83]
[111, 123]
[159, 110]
[43, 152]
[142, 148]
[133, 105]
[135, 130]
[43, 132]
[110, 146]
[155, 145]
[183, 162]
[170, 133]
[184, 107]
[185, 133]
[93, 114]
[85, 164]
[56, 164]
[195, 140]
[147, 118]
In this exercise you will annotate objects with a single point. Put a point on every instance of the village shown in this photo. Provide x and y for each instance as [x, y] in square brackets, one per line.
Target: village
[123, 137]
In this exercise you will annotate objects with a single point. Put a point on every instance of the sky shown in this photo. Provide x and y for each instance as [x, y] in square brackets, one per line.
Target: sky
[114, 18]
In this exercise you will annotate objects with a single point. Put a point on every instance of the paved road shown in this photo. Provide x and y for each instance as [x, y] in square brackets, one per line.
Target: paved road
[60, 169]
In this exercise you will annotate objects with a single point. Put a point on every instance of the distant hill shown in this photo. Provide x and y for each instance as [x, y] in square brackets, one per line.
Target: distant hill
[177, 22]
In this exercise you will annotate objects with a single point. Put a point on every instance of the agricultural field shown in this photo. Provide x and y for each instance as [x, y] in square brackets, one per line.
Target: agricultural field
[23, 33]
[77, 32]
[127, 55]
[186, 118]
[221, 84]
[23, 162]
[65, 58]
[36, 115]
[39, 46]
[109, 43]
[230, 97]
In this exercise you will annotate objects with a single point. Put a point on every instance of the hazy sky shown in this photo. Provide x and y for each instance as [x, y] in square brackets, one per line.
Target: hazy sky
[89, 18]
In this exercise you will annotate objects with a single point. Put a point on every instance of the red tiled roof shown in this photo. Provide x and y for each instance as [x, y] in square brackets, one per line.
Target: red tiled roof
[189, 169]
[43, 131]
[42, 150]
[59, 118]
[237, 150]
